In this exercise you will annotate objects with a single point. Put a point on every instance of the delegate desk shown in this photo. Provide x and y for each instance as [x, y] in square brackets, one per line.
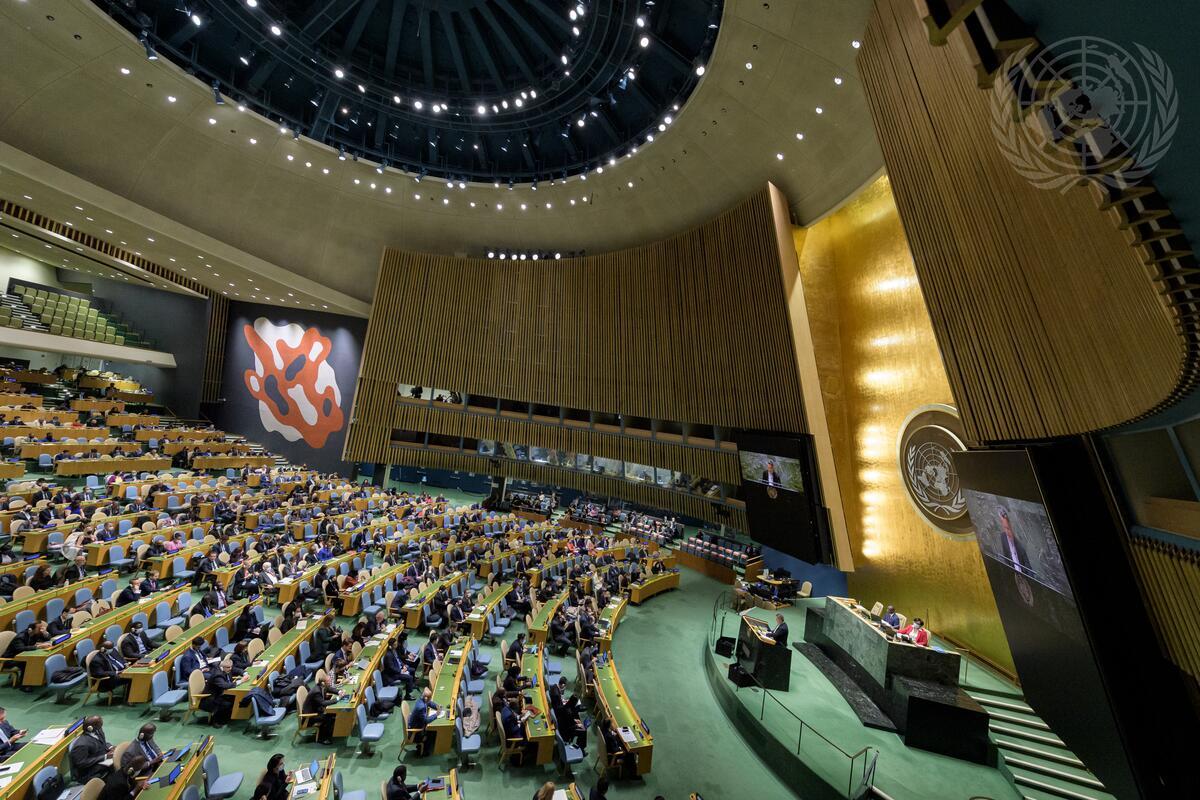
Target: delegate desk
[177, 434]
[758, 654]
[38, 601]
[445, 694]
[17, 568]
[319, 785]
[99, 466]
[116, 420]
[610, 616]
[51, 415]
[11, 469]
[539, 630]
[171, 448]
[643, 591]
[615, 704]
[358, 678]
[103, 406]
[477, 619]
[35, 660]
[290, 587]
[414, 608]
[352, 600]
[32, 450]
[539, 728]
[162, 658]
[271, 660]
[40, 432]
[17, 399]
[231, 462]
[190, 766]
[35, 757]
[97, 553]
[224, 575]
[105, 382]
[917, 687]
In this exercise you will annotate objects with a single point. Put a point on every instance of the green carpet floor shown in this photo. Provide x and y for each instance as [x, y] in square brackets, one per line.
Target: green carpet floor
[657, 648]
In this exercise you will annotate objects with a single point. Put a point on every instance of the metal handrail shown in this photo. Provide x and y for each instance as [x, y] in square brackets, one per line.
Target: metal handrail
[870, 755]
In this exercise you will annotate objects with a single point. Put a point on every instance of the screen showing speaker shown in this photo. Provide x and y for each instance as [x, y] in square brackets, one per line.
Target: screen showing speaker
[783, 507]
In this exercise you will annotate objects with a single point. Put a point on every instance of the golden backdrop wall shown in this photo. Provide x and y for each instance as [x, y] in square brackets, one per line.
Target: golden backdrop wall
[878, 360]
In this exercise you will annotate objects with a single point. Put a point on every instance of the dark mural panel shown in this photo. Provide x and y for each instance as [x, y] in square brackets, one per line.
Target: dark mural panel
[289, 381]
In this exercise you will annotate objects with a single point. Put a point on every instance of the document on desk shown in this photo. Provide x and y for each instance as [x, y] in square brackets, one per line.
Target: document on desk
[49, 735]
[305, 789]
[8, 770]
[628, 736]
[560, 794]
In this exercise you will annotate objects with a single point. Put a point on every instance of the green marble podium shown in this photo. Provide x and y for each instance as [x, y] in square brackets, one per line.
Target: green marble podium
[879, 657]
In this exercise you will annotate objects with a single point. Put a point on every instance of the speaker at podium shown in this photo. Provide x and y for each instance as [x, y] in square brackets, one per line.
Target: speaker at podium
[759, 655]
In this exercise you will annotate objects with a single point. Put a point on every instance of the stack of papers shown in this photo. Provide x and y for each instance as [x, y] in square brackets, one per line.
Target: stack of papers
[628, 735]
[49, 735]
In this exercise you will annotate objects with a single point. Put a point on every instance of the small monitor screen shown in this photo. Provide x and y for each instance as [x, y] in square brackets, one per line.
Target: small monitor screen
[1018, 534]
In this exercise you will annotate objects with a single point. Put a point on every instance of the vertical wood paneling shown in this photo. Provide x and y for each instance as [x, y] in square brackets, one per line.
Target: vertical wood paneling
[1170, 578]
[1047, 321]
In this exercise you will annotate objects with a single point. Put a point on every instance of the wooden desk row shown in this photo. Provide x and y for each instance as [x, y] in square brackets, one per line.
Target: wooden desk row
[445, 693]
[414, 608]
[352, 601]
[98, 466]
[289, 588]
[652, 585]
[35, 660]
[105, 382]
[20, 399]
[477, 619]
[539, 631]
[615, 705]
[271, 660]
[231, 462]
[38, 601]
[34, 450]
[176, 434]
[52, 415]
[117, 419]
[54, 431]
[357, 679]
[91, 404]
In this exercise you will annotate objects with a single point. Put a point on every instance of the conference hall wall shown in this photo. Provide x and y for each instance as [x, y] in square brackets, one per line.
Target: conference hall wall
[692, 329]
[289, 380]
[878, 361]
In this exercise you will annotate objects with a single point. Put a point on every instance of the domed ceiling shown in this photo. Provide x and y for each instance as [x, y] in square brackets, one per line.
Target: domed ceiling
[492, 90]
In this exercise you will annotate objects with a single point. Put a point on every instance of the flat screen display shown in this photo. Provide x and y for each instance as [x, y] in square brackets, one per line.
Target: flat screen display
[778, 486]
[1017, 533]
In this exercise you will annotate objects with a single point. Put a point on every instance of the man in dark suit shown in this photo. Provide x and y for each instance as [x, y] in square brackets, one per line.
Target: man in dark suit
[143, 745]
[780, 633]
[317, 701]
[10, 736]
[423, 712]
[131, 593]
[90, 752]
[193, 659]
[76, 571]
[106, 666]
[135, 643]
[218, 704]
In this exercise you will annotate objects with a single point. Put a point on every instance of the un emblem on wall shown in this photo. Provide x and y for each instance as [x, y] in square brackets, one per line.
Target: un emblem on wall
[928, 437]
[1122, 104]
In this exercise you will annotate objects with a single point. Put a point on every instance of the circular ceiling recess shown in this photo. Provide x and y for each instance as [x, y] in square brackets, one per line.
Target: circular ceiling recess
[504, 91]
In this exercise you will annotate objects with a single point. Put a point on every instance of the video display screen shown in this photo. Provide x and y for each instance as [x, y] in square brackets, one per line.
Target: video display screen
[1018, 534]
[782, 507]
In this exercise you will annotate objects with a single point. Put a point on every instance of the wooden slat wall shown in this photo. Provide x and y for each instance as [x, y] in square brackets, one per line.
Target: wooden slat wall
[1170, 578]
[1047, 321]
[218, 305]
[692, 329]
[712, 464]
[690, 505]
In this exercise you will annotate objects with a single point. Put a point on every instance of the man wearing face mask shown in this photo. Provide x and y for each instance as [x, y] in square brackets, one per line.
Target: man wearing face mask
[106, 666]
[145, 746]
[91, 755]
[135, 644]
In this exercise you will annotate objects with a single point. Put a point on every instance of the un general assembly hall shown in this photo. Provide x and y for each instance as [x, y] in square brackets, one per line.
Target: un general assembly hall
[599, 400]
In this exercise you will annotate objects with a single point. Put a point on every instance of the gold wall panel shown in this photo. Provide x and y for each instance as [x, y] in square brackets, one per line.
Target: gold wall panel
[878, 359]
[1047, 319]
[1170, 578]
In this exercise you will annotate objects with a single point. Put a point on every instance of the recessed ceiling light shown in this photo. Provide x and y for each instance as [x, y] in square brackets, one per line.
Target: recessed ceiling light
[837, 80]
[700, 70]
[253, 140]
[387, 189]
[277, 31]
[325, 170]
[445, 201]
[212, 121]
[641, 22]
[124, 70]
[472, 204]
[644, 41]
[800, 136]
[396, 99]
[779, 156]
[856, 44]
[418, 105]
[252, 3]
[170, 98]
[820, 110]
[339, 73]
[416, 197]
[499, 206]
[749, 65]
[291, 157]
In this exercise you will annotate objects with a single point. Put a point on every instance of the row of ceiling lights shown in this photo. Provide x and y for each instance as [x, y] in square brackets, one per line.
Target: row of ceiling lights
[254, 290]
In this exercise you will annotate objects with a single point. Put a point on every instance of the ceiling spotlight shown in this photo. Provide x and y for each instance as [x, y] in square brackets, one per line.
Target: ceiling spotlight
[580, 122]
[491, 253]
[641, 22]
[124, 70]
[629, 184]
[572, 15]
[644, 41]
[379, 168]
[144, 39]
[557, 256]
[481, 109]
[362, 89]
[216, 90]
[445, 201]
[837, 81]
[276, 30]
[416, 197]
[339, 73]
[563, 58]
[245, 61]
[518, 102]
[197, 20]
[579, 9]
[700, 70]
[212, 121]
[574, 30]
[749, 65]
[800, 137]
[418, 105]
[779, 156]
[171, 98]
[504, 104]
[341, 154]
[396, 99]
[533, 94]
[241, 107]
[252, 3]
[462, 185]
[283, 128]
[820, 110]
[856, 44]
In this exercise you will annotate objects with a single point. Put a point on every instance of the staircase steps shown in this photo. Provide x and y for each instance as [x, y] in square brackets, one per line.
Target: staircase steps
[1037, 761]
